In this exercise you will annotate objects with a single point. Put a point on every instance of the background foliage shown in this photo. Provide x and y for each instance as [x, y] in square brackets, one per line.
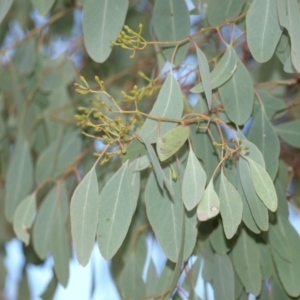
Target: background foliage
[183, 125]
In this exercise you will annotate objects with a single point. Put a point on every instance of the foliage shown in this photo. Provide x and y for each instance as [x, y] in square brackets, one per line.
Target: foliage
[208, 181]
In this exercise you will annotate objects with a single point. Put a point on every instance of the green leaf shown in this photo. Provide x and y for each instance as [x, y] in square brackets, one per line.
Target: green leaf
[160, 175]
[115, 212]
[131, 281]
[218, 240]
[135, 181]
[209, 205]
[204, 149]
[223, 280]
[249, 150]
[220, 11]
[60, 248]
[55, 204]
[62, 153]
[292, 24]
[263, 185]
[171, 22]
[43, 6]
[172, 141]
[19, 178]
[263, 29]
[237, 95]
[135, 149]
[246, 262]
[266, 262]
[194, 181]
[263, 135]
[205, 75]
[49, 292]
[222, 72]
[231, 207]
[84, 216]
[169, 104]
[165, 217]
[24, 216]
[102, 21]
[258, 209]
[289, 132]
[4, 8]
[289, 271]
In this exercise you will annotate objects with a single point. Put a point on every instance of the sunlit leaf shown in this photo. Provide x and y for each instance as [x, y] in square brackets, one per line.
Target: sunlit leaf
[237, 95]
[171, 22]
[263, 135]
[289, 132]
[102, 21]
[84, 216]
[169, 104]
[205, 75]
[223, 280]
[209, 205]
[43, 6]
[222, 72]
[231, 206]
[23, 217]
[263, 185]
[19, 178]
[246, 262]
[194, 181]
[172, 141]
[263, 29]
[115, 212]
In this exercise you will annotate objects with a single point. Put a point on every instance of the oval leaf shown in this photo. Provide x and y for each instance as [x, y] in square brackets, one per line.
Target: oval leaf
[289, 132]
[263, 29]
[231, 207]
[169, 104]
[237, 95]
[172, 141]
[194, 181]
[84, 216]
[263, 185]
[115, 212]
[209, 205]
[23, 217]
[222, 72]
[102, 21]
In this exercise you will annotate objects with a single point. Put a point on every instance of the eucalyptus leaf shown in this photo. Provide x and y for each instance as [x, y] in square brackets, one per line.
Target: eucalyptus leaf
[289, 132]
[194, 181]
[4, 8]
[84, 210]
[169, 104]
[43, 6]
[102, 21]
[115, 212]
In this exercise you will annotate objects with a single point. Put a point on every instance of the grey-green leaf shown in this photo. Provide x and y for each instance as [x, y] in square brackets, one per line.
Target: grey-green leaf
[263, 185]
[19, 178]
[237, 95]
[263, 135]
[263, 29]
[205, 75]
[246, 262]
[102, 21]
[194, 181]
[115, 212]
[169, 104]
[43, 6]
[24, 216]
[258, 209]
[84, 216]
[223, 280]
[231, 206]
[222, 72]
[209, 205]
[289, 132]
[171, 22]
[4, 8]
